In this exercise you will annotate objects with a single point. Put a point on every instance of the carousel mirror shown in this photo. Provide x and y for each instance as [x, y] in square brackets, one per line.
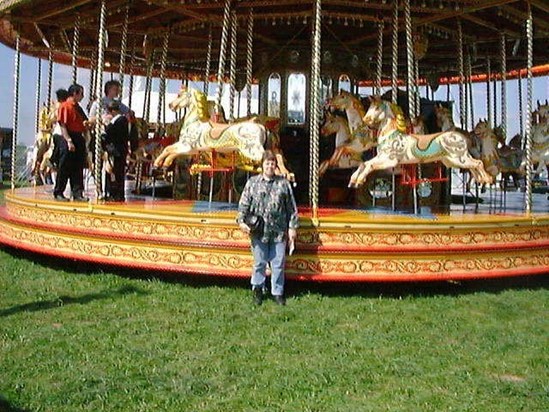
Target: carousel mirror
[325, 88]
[296, 98]
[344, 83]
[274, 87]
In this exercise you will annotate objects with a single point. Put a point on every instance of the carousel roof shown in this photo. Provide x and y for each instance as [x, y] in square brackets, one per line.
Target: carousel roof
[282, 33]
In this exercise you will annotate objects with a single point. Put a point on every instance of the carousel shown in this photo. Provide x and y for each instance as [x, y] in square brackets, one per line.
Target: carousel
[389, 186]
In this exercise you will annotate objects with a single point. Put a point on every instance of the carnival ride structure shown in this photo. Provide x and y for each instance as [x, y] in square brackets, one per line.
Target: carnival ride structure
[322, 46]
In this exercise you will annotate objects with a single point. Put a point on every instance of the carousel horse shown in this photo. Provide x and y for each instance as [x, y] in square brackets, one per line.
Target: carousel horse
[199, 134]
[489, 152]
[396, 147]
[348, 149]
[445, 122]
[43, 144]
[417, 125]
[540, 138]
[354, 110]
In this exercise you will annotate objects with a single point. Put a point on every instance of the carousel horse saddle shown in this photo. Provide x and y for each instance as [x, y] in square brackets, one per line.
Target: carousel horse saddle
[217, 129]
[425, 140]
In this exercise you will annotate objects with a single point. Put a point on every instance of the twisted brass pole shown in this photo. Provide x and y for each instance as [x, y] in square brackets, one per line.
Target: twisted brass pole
[99, 82]
[15, 118]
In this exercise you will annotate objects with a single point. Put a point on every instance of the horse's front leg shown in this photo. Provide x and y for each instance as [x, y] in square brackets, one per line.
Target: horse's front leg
[377, 163]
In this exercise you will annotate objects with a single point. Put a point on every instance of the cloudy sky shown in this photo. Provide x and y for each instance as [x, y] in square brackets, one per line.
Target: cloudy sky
[63, 74]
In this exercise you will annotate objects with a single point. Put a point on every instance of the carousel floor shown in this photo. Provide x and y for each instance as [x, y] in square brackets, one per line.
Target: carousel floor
[343, 245]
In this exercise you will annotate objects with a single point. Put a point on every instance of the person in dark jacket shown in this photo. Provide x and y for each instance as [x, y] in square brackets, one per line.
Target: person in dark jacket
[116, 142]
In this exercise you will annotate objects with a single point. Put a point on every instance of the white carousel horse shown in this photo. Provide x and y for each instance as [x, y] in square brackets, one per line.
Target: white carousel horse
[199, 134]
[347, 148]
[396, 147]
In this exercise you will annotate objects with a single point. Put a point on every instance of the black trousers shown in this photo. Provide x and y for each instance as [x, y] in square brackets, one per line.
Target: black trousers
[115, 188]
[71, 166]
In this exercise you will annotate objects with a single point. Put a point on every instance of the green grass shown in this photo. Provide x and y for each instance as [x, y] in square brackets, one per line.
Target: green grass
[73, 338]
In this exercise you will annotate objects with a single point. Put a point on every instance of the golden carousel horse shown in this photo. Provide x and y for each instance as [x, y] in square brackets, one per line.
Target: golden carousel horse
[396, 147]
[198, 134]
[43, 144]
[348, 148]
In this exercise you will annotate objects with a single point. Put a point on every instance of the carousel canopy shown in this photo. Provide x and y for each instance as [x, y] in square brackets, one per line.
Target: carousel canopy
[282, 33]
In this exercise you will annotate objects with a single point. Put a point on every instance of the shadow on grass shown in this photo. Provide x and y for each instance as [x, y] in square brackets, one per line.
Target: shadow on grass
[299, 288]
[68, 300]
[6, 406]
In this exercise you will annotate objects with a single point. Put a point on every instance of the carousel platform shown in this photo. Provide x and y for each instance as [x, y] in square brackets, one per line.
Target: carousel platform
[198, 237]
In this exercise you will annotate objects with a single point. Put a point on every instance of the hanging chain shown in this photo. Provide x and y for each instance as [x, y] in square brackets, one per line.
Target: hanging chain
[379, 58]
[249, 62]
[15, 118]
[503, 88]
[99, 82]
[394, 74]
[208, 63]
[38, 90]
[232, 66]
[123, 47]
[75, 44]
[222, 52]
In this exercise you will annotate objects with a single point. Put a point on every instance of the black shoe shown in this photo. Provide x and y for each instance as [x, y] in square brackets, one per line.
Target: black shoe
[60, 198]
[280, 299]
[80, 199]
[257, 296]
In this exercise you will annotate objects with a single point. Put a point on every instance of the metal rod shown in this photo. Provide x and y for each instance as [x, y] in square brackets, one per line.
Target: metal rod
[123, 47]
[99, 82]
[315, 111]
[528, 129]
[232, 67]
[38, 90]
[394, 72]
[75, 44]
[249, 62]
[222, 55]
[15, 118]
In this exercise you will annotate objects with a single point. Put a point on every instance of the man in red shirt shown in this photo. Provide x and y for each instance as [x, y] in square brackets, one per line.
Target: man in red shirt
[72, 147]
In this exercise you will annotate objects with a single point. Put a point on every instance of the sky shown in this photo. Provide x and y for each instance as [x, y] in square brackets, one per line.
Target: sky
[63, 74]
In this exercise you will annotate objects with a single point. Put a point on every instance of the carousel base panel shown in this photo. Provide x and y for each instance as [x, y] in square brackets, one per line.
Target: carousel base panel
[347, 245]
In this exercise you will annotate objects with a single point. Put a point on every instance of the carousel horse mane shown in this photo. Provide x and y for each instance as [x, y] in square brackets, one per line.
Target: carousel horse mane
[202, 105]
[399, 117]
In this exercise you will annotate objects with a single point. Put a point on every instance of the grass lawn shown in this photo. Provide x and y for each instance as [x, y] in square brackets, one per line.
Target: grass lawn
[75, 338]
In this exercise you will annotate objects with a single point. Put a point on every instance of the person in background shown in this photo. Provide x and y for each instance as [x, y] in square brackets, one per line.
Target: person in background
[61, 95]
[116, 140]
[271, 198]
[72, 148]
[112, 92]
